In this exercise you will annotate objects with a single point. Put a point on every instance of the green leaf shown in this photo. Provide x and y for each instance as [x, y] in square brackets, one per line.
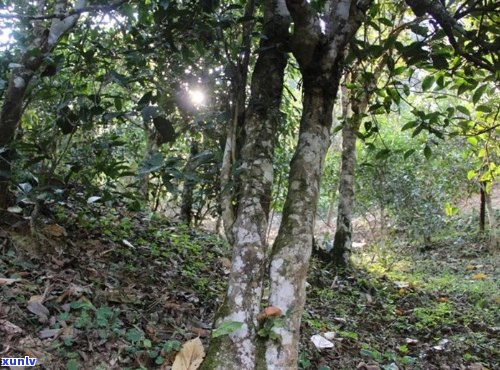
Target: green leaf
[427, 82]
[484, 108]
[151, 164]
[159, 360]
[409, 125]
[226, 328]
[472, 141]
[408, 153]
[427, 152]
[471, 174]
[463, 110]
[478, 93]
[72, 364]
[383, 154]
[134, 335]
[147, 343]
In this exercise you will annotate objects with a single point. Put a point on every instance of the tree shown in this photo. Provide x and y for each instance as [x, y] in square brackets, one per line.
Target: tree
[44, 38]
[250, 251]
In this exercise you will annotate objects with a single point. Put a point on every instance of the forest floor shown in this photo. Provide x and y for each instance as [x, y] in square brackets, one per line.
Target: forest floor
[112, 289]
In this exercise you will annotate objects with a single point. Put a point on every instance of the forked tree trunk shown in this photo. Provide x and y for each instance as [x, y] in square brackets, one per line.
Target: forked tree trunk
[320, 56]
[242, 303]
[44, 41]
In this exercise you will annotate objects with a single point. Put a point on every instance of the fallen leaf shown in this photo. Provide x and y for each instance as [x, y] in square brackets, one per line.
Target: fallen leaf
[411, 341]
[364, 366]
[5, 281]
[443, 299]
[269, 312]
[470, 267]
[15, 209]
[36, 298]
[477, 366]
[39, 309]
[56, 230]
[226, 264]
[128, 244]
[401, 284]
[200, 332]
[329, 335]
[320, 342]
[9, 328]
[190, 356]
[479, 276]
[49, 333]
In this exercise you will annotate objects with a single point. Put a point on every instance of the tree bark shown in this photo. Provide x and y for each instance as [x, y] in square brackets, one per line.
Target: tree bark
[235, 137]
[189, 184]
[44, 41]
[320, 56]
[292, 248]
[482, 206]
[250, 251]
[343, 233]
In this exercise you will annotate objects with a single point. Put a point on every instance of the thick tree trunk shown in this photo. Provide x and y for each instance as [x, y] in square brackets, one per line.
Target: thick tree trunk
[293, 246]
[320, 56]
[44, 40]
[242, 303]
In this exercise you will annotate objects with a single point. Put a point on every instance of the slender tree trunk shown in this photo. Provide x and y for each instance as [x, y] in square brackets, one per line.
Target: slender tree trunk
[189, 184]
[358, 104]
[482, 206]
[242, 303]
[235, 132]
[44, 41]
[491, 221]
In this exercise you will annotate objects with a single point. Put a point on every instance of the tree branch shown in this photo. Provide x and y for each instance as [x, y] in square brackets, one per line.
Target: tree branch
[307, 31]
[449, 24]
[86, 9]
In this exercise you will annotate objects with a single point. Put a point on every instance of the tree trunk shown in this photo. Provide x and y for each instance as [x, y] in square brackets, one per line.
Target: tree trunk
[343, 233]
[482, 206]
[319, 51]
[235, 132]
[293, 246]
[491, 221]
[189, 184]
[45, 39]
[242, 303]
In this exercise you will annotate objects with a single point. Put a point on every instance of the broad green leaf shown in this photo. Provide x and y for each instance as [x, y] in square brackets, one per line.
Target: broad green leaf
[427, 82]
[427, 152]
[226, 328]
[151, 164]
[463, 110]
[471, 174]
[383, 154]
[472, 141]
[409, 125]
[478, 93]
[408, 153]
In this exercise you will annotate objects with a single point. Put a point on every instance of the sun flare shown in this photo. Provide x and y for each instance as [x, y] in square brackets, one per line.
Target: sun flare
[197, 97]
